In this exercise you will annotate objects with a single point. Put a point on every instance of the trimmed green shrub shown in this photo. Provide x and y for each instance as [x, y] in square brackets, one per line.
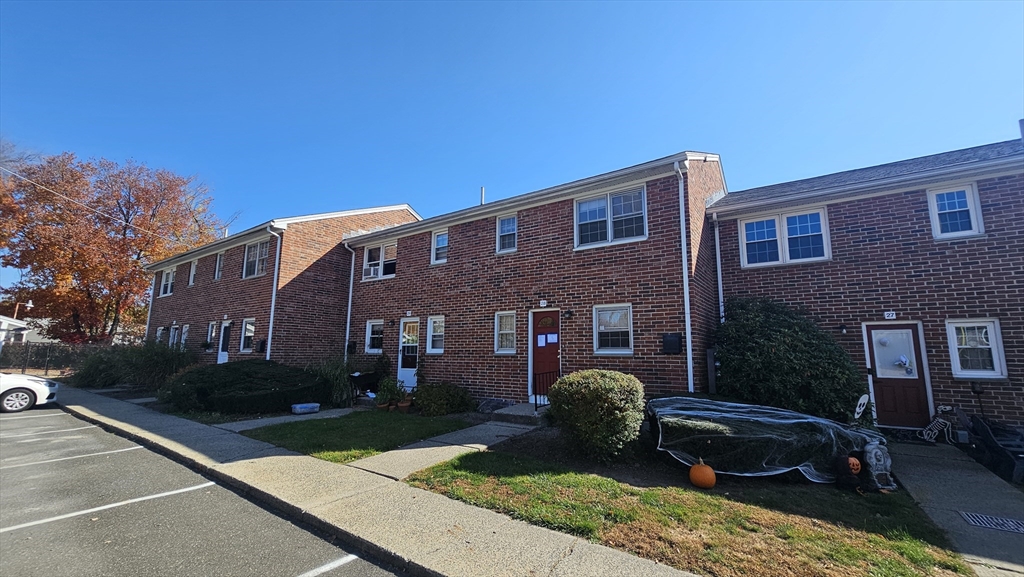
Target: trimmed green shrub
[390, 390]
[770, 354]
[99, 370]
[147, 366]
[436, 399]
[337, 371]
[601, 410]
[252, 386]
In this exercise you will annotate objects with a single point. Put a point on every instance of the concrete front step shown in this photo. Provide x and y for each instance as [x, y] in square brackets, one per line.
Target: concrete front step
[523, 414]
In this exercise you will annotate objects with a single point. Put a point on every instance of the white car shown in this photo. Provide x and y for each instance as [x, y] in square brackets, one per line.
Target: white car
[20, 392]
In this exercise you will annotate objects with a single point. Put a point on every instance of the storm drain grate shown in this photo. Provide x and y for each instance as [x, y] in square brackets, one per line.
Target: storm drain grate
[989, 522]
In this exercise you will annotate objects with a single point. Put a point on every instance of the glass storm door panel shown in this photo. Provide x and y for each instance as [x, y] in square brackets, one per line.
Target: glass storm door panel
[544, 350]
[408, 352]
[225, 342]
[901, 396]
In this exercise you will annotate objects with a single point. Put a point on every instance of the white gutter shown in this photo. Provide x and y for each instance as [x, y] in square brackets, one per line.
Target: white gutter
[149, 311]
[273, 294]
[718, 262]
[351, 283]
[686, 278]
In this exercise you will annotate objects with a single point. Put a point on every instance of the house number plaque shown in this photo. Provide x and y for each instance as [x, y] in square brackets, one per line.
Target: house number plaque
[890, 315]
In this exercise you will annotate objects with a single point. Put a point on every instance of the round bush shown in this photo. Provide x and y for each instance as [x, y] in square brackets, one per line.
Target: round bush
[770, 354]
[251, 386]
[436, 399]
[601, 410]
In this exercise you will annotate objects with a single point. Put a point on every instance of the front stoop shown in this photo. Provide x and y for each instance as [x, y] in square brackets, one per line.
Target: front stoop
[522, 414]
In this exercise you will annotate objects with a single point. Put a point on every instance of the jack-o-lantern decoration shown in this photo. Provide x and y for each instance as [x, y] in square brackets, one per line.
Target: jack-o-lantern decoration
[854, 464]
[702, 476]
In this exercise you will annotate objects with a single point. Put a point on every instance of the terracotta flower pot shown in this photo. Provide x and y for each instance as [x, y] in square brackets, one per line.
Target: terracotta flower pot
[403, 407]
[383, 407]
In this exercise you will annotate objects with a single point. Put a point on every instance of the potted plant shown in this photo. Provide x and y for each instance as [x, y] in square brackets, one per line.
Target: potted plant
[405, 402]
[389, 392]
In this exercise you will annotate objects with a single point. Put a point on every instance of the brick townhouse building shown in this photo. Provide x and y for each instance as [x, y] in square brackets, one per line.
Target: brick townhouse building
[273, 291]
[917, 266]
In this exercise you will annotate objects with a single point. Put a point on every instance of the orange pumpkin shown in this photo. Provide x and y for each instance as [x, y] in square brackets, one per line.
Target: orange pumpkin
[702, 475]
[854, 464]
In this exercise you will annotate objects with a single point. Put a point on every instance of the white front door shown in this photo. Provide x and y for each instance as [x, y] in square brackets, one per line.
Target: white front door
[225, 341]
[408, 352]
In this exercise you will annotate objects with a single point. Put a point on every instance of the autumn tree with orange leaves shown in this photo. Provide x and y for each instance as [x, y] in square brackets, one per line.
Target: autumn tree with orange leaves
[83, 230]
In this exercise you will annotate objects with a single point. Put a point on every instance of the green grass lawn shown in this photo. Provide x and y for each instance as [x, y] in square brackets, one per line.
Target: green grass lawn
[744, 526]
[355, 436]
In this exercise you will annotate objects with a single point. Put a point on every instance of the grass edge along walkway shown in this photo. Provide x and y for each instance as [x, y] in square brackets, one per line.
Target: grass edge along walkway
[357, 435]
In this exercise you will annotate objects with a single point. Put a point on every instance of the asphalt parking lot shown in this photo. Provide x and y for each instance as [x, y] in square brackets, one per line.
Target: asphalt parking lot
[77, 500]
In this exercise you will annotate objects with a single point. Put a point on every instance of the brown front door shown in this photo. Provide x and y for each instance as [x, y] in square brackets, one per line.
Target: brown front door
[544, 349]
[901, 396]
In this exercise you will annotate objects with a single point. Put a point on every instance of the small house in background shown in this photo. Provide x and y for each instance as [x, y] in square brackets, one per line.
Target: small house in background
[273, 291]
[917, 267]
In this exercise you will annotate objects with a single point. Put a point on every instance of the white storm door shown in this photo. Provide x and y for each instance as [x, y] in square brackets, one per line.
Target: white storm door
[408, 352]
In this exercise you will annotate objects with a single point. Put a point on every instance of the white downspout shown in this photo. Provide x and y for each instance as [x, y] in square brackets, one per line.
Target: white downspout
[149, 311]
[348, 309]
[718, 263]
[273, 294]
[686, 278]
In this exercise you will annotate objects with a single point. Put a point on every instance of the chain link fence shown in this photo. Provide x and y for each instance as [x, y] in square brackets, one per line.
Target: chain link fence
[44, 359]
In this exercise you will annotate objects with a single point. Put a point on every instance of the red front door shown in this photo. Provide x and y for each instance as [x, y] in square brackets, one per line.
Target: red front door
[544, 348]
[901, 395]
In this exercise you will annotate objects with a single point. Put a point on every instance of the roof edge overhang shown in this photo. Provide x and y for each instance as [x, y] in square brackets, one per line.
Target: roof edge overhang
[249, 234]
[622, 177]
[924, 179]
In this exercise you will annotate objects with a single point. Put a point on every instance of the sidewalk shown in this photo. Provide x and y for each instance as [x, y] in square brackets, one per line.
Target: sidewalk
[946, 482]
[365, 504]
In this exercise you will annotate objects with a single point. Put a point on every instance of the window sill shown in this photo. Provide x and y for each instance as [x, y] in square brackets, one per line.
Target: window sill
[971, 236]
[248, 352]
[504, 353]
[612, 243]
[376, 278]
[166, 295]
[985, 379]
[435, 353]
[439, 262]
[789, 263]
[254, 275]
[508, 251]
[614, 353]
[373, 351]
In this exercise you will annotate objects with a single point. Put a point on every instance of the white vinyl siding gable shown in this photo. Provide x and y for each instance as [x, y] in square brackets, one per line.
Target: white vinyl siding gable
[787, 238]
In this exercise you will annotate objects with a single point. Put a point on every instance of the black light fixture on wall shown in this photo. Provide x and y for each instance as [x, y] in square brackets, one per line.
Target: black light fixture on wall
[567, 314]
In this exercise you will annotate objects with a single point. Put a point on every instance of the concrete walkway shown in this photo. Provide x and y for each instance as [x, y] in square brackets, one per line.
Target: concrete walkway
[946, 482]
[366, 505]
[237, 426]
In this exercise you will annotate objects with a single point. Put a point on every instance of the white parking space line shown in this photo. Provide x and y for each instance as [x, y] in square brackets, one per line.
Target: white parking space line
[45, 432]
[2, 419]
[332, 565]
[105, 507]
[69, 458]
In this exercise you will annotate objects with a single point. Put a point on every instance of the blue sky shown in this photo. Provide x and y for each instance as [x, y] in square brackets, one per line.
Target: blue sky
[296, 108]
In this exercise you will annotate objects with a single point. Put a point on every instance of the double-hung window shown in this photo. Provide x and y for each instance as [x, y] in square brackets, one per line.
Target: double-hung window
[439, 247]
[256, 259]
[248, 334]
[184, 335]
[435, 335]
[976, 348]
[613, 329]
[374, 337]
[211, 332]
[507, 228]
[955, 211]
[505, 333]
[160, 334]
[218, 269]
[167, 283]
[380, 261]
[611, 218]
[192, 272]
[785, 238]
[174, 340]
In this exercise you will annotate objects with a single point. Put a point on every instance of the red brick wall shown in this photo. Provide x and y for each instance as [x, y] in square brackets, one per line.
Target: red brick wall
[476, 283]
[884, 258]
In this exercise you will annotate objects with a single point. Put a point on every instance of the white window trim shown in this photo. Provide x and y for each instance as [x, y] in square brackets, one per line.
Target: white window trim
[211, 332]
[166, 283]
[174, 338]
[241, 336]
[366, 344]
[430, 334]
[614, 352]
[159, 337]
[245, 259]
[433, 246]
[218, 267]
[996, 338]
[973, 205]
[608, 207]
[497, 340]
[497, 234]
[192, 272]
[380, 266]
[184, 336]
[783, 237]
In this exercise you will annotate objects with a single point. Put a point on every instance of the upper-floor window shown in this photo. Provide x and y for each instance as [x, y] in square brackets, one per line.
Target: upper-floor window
[435, 335]
[374, 337]
[507, 228]
[783, 238]
[976, 348]
[613, 329]
[954, 211]
[439, 247]
[626, 220]
[380, 261]
[167, 283]
[256, 258]
[192, 272]
[248, 334]
[505, 332]
[218, 269]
